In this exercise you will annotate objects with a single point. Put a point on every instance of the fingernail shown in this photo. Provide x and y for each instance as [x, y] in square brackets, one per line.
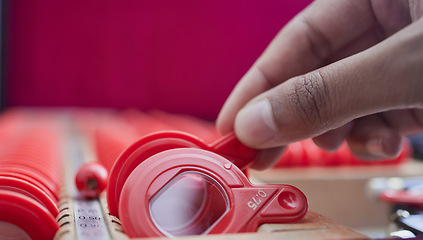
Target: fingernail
[254, 124]
[375, 146]
[386, 145]
[267, 158]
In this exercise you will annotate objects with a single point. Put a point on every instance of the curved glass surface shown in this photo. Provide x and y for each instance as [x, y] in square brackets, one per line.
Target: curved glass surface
[190, 204]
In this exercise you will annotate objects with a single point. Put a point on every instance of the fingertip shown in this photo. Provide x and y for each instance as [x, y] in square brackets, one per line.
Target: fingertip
[388, 145]
[250, 86]
[333, 139]
[254, 125]
[223, 124]
[267, 158]
[382, 145]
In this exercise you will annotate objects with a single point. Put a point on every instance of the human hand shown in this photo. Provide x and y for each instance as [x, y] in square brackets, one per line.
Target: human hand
[339, 70]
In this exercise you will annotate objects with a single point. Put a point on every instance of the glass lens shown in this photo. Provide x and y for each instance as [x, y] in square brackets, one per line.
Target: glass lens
[190, 204]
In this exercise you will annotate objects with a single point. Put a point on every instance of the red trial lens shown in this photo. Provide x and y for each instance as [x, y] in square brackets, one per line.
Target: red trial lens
[227, 146]
[193, 191]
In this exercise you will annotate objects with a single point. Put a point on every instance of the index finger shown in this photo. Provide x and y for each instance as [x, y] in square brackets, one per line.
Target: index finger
[304, 44]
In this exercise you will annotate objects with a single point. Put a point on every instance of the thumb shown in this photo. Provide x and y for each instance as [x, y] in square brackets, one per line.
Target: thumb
[384, 77]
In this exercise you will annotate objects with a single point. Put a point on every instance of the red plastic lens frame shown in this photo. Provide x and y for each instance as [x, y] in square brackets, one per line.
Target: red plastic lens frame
[227, 146]
[30, 173]
[173, 184]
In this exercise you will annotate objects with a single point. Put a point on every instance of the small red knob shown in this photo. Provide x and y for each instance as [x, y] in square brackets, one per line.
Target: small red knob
[91, 179]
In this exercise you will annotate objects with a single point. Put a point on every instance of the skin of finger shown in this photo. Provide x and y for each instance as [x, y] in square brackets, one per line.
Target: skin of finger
[373, 127]
[250, 85]
[321, 30]
[418, 114]
[267, 158]
[392, 15]
[333, 139]
[416, 9]
[267, 71]
[405, 121]
[363, 84]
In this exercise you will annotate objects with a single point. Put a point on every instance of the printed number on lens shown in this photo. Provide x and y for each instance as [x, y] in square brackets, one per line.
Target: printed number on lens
[256, 201]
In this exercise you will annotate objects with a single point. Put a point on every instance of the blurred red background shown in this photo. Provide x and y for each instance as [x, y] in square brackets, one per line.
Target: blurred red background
[178, 56]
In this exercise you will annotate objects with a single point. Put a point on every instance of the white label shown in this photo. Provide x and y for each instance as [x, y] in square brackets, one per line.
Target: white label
[257, 199]
[89, 221]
